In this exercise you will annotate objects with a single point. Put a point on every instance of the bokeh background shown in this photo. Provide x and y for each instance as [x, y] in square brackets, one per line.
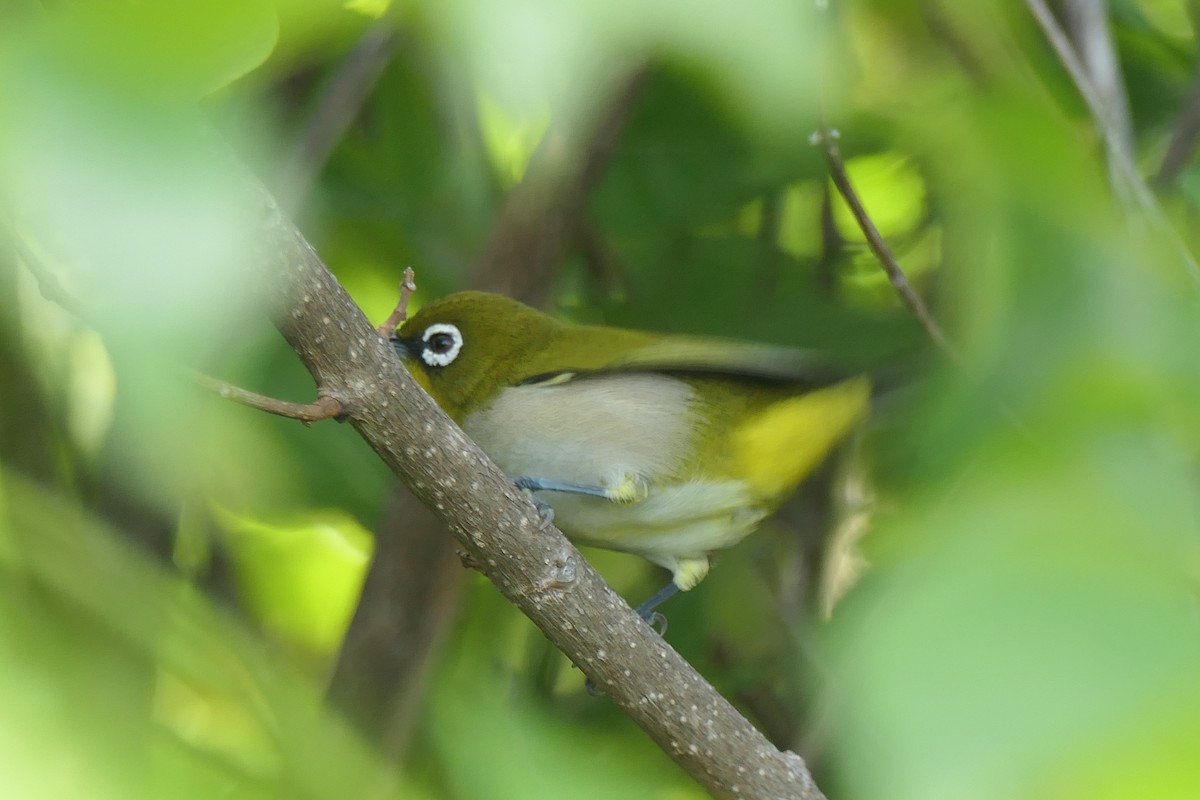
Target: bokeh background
[989, 593]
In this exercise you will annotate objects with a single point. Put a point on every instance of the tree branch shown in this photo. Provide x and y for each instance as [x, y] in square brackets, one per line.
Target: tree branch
[1121, 161]
[408, 604]
[545, 212]
[308, 413]
[381, 669]
[1088, 23]
[1183, 139]
[826, 139]
[400, 312]
[337, 106]
[535, 568]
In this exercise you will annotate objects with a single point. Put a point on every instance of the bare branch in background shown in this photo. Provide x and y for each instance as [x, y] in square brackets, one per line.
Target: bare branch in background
[408, 595]
[826, 139]
[1183, 140]
[338, 105]
[1120, 159]
[1087, 21]
[391, 640]
[602, 260]
[544, 213]
[1067, 56]
[408, 604]
[958, 46]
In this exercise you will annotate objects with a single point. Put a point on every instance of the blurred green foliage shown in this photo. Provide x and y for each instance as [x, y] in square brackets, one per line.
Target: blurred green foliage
[176, 573]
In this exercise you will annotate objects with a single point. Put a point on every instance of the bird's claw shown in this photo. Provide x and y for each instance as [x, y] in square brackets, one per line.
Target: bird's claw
[657, 621]
[545, 512]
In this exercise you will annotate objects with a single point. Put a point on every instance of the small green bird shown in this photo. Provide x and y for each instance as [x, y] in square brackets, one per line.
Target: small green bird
[669, 447]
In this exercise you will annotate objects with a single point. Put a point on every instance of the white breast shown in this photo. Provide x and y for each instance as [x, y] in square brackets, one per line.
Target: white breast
[594, 430]
[599, 431]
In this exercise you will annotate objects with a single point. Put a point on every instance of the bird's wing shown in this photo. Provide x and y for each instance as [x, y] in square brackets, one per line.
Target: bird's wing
[597, 351]
[725, 357]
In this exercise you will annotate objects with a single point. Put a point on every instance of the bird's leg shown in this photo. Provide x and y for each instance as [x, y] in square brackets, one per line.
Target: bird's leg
[646, 610]
[532, 483]
[529, 484]
[630, 489]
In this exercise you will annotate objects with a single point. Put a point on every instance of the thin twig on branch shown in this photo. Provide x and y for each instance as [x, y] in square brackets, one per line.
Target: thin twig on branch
[1089, 27]
[337, 106]
[400, 313]
[323, 408]
[545, 213]
[1183, 139]
[826, 139]
[1121, 160]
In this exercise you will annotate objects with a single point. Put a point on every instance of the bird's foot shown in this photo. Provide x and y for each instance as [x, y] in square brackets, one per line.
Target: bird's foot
[545, 512]
[646, 610]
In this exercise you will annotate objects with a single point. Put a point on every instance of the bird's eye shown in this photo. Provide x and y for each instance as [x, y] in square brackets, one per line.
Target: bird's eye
[442, 344]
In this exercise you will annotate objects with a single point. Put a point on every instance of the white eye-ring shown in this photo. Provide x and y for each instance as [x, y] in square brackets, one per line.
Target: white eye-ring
[442, 343]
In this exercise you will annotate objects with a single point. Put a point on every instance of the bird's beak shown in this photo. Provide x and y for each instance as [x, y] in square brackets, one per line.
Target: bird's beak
[404, 349]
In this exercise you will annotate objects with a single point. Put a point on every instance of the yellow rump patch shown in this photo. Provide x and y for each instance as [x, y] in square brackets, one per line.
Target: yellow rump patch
[779, 446]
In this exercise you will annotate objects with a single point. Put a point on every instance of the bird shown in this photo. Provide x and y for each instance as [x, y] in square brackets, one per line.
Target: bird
[671, 447]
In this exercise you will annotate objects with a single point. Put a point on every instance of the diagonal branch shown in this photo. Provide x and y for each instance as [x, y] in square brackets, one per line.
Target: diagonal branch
[1119, 158]
[1089, 27]
[545, 213]
[409, 593]
[337, 106]
[535, 568]
[1183, 139]
[826, 139]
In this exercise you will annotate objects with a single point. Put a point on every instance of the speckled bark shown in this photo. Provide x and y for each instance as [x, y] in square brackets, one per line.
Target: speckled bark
[538, 570]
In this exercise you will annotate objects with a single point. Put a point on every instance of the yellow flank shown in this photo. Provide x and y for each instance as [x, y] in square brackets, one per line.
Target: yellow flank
[775, 449]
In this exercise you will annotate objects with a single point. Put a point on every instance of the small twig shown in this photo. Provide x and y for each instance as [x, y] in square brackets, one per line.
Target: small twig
[37, 265]
[960, 47]
[1089, 26]
[337, 106]
[325, 407]
[826, 139]
[832, 242]
[544, 214]
[1061, 43]
[400, 313]
[1118, 157]
[1183, 140]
